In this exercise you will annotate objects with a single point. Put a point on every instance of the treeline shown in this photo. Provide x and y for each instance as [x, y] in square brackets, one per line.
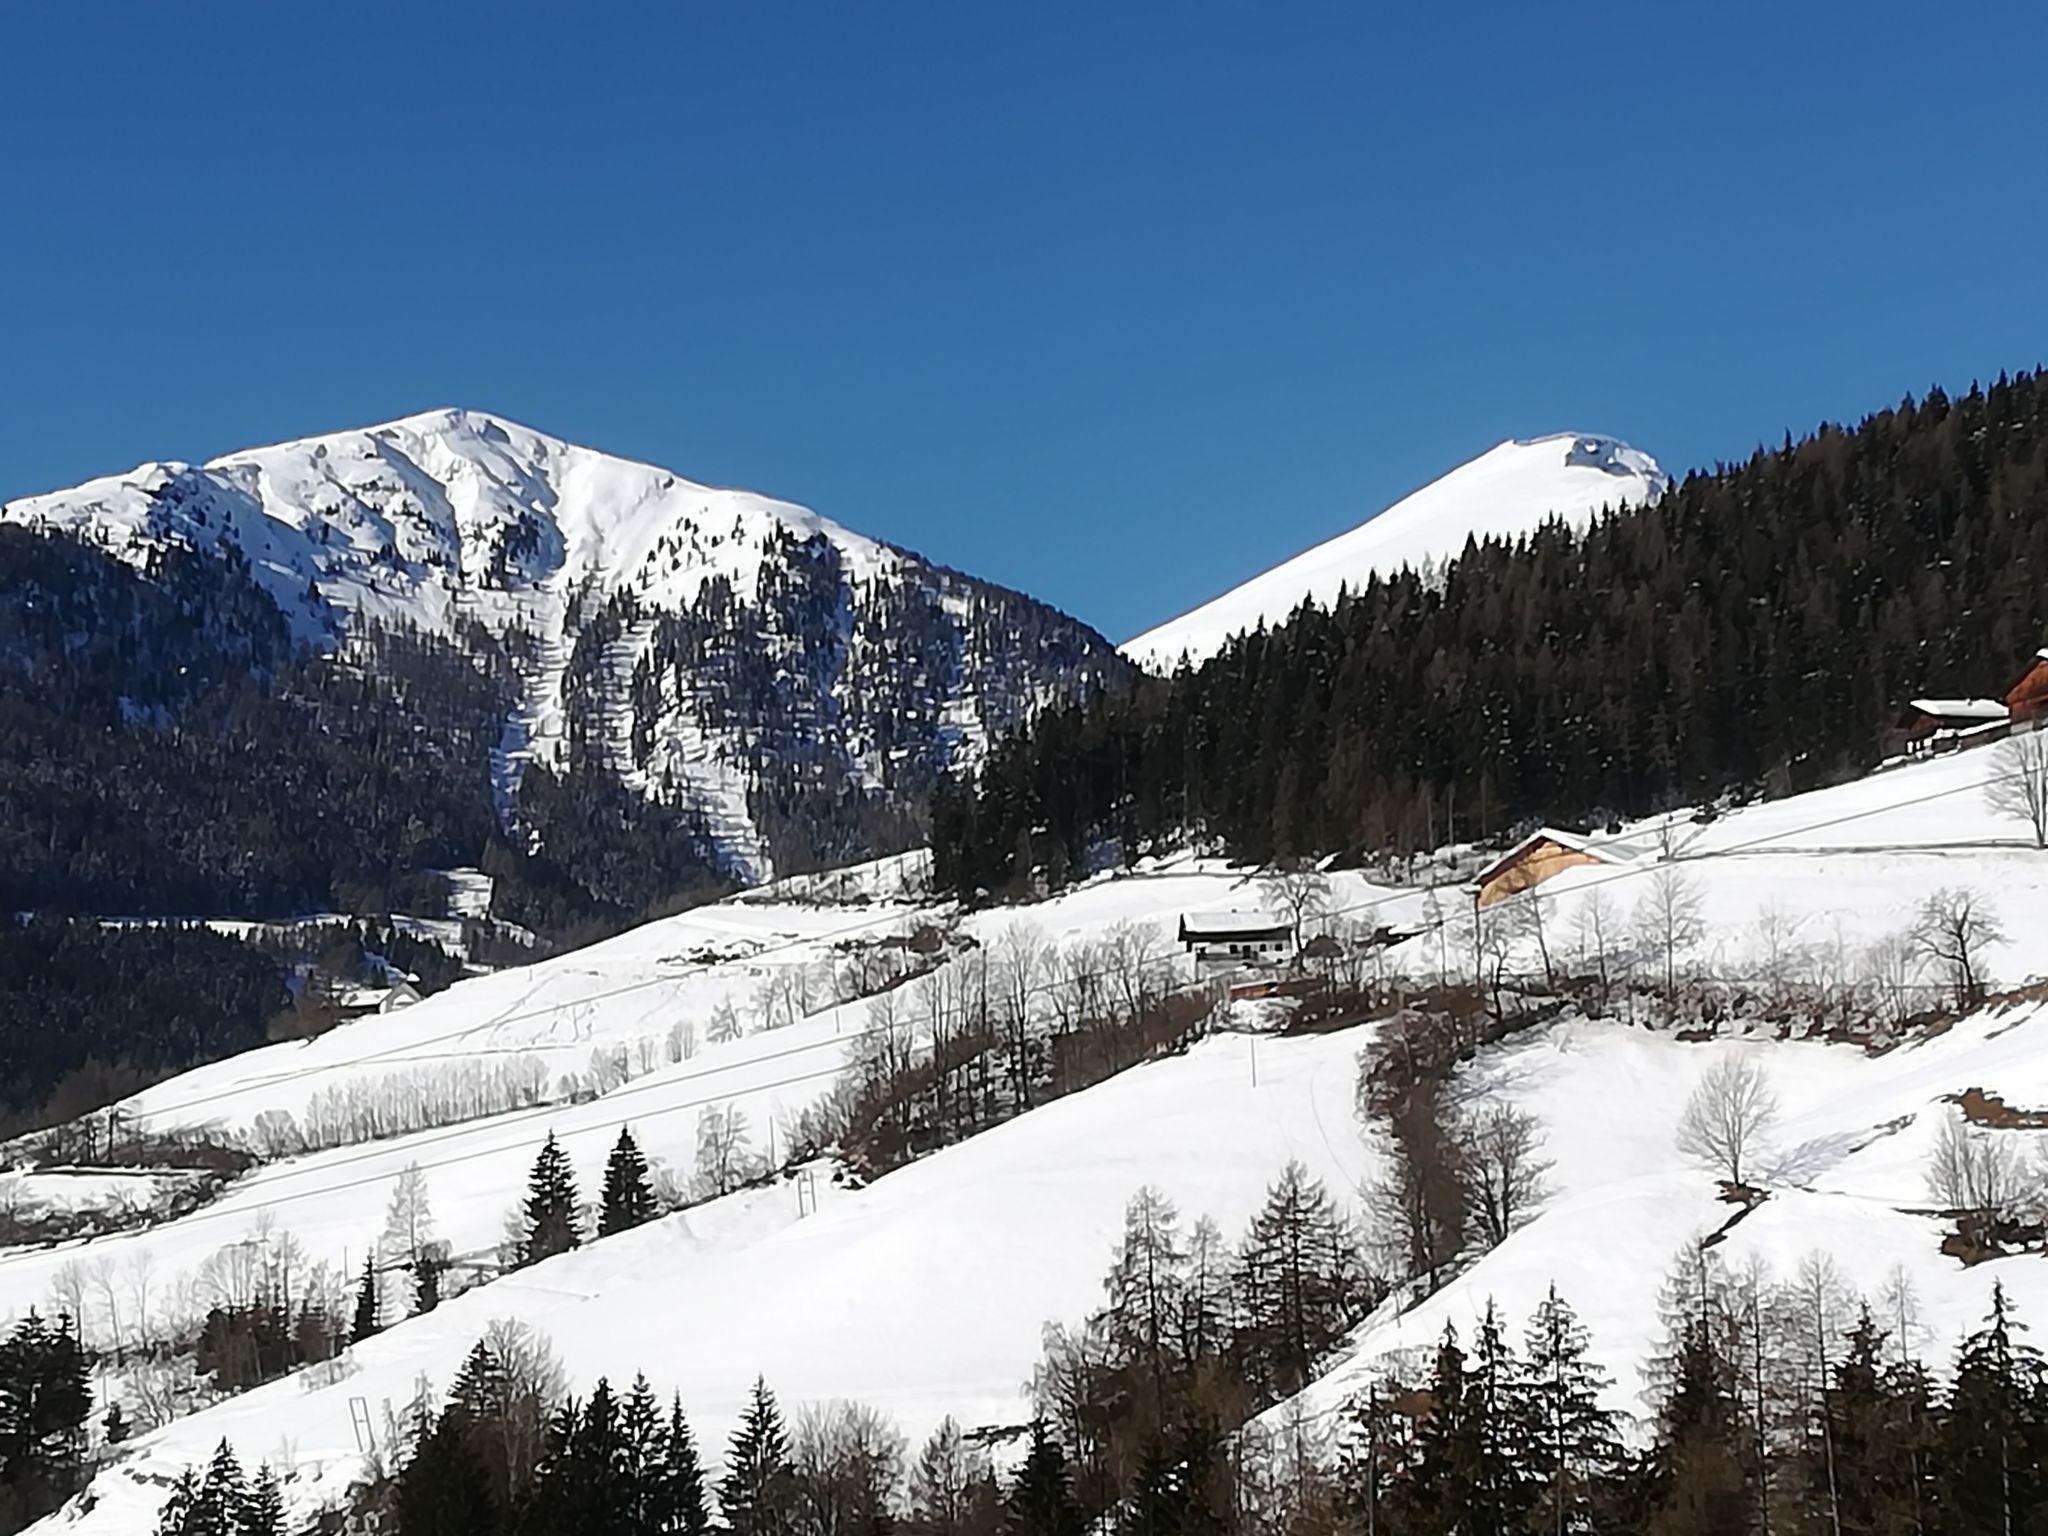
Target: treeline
[1755, 632]
[132, 1001]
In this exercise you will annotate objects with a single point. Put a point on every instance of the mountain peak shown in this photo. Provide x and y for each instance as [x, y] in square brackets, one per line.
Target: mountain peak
[1510, 489]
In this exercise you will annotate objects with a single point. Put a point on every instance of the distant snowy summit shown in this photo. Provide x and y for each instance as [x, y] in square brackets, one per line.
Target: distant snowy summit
[793, 682]
[1509, 490]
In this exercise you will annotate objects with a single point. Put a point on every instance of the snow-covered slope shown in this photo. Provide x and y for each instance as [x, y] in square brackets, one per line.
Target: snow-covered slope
[701, 643]
[1508, 490]
[924, 1293]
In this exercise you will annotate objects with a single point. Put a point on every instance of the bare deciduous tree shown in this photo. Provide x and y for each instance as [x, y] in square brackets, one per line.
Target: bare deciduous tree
[1669, 921]
[1501, 1154]
[724, 1162]
[1298, 890]
[2019, 784]
[1952, 930]
[849, 1467]
[1727, 1118]
[1973, 1168]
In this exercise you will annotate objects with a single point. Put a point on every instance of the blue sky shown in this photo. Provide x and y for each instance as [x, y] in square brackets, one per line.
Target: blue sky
[1116, 304]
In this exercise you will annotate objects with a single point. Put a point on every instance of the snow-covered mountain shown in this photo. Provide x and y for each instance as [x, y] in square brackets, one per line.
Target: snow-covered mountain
[1510, 489]
[712, 648]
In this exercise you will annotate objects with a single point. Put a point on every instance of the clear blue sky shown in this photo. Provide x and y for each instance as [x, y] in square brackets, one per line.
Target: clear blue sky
[1113, 303]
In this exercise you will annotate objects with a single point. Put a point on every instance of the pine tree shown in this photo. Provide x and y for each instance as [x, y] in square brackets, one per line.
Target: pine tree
[217, 1507]
[1698, 1485]
[443, 1490]
[1041, 1500]
[628, 1196]
[682, 1501]
[1437, 1490]
[756, 1494]
[175, 1516]
[1158, 1501]
[1502, 1487]
[1572, 1447]
[1995, 1434]
[263, 1511]
[365, 1324]
[551, 1222]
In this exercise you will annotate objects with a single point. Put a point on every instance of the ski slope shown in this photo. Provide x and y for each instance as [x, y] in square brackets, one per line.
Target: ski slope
[1509, 490]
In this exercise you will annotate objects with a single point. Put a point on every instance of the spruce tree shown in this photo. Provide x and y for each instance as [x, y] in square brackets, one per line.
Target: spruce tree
[682, 1500]
[1696, 1472]
[263, 1510]
[551, 1223]
[757, 1494]
[628, 1195]
[365, 1324]
[173, 1517]
[1995, 1434]
[444, 1490]
[1041, 1500]
[1572, 1446]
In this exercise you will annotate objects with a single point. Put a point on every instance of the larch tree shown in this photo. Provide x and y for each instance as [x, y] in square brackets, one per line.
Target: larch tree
[2019, 785]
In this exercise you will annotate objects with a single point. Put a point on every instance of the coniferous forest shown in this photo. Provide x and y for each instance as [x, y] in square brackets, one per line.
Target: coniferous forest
[1756, 632]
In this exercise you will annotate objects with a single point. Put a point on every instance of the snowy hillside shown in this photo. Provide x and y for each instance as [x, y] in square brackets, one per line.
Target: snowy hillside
[1508, 490]
[924, 1293]
[711, 648]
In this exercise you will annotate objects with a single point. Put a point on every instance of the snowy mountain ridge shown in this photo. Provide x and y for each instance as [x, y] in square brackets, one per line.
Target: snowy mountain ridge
[705, 645]
[1511, 489]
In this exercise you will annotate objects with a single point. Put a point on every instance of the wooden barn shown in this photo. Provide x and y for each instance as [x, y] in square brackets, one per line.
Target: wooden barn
[1546, 852]
[2027, 700]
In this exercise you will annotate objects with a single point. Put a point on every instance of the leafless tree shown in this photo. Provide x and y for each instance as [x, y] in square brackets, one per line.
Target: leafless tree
[1973, 1168]
[1298, 890]
[1596, 927]
[1892, 967]
[1417, 1208]
[1669, 921]
[1727, 1118]
[724, 1160]
[952, 1487]
[1501, 1155]
[1953, 929]
[1778, 952]
[1530, 918]
[2019, 786]
[849, 1468]
[724, 1024]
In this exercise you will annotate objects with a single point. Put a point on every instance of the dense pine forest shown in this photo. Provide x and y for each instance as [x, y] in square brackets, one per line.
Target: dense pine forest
[1755, 632]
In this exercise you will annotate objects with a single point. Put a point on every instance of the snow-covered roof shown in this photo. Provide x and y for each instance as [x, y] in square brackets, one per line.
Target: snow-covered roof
[1607, 850]
[1232, 925]
[1962, 709]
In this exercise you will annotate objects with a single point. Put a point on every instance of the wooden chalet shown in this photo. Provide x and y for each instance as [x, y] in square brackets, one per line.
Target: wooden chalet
[1236, 938]
[2026, 702]
[1547, 852]
[1942, 725]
